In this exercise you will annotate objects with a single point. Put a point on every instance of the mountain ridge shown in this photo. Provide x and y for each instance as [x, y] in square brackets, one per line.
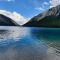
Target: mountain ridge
[6, 21]
[42, 20]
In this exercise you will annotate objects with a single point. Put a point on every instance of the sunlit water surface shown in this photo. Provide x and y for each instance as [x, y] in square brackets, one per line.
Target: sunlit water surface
[29, 43]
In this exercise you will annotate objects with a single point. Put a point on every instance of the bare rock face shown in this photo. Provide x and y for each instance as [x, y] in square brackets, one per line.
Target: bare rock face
[6, 21]
[50, 18]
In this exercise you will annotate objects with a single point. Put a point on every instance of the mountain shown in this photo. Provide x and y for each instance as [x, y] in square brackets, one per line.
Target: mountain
[17, 17]
[50, 18]
[6, 21]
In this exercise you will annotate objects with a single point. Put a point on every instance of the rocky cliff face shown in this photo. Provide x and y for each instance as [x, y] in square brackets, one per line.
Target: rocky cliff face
[6, 21]
[50, 18]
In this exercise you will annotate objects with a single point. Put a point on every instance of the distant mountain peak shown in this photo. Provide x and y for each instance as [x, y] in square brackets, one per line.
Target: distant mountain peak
[55, 11]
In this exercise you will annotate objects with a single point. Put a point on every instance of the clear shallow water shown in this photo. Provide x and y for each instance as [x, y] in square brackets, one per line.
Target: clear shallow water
[29, 43]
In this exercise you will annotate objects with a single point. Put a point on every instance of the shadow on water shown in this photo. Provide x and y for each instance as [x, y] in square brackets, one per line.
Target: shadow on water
[25, 43]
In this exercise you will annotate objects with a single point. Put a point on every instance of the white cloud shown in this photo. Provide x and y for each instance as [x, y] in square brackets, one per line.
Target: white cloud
[46, 3]
[7, 0]
[10, 0]
[54, 3]
[40, 8]
[15, 16]
[19, 18]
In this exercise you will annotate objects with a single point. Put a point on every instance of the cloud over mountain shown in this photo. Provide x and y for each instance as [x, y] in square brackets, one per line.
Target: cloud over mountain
[15, 16]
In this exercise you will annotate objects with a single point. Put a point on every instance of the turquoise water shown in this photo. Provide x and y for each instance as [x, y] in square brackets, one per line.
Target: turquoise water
[29, 43]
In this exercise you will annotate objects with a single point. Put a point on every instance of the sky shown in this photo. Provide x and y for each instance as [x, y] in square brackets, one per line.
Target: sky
[27, 8]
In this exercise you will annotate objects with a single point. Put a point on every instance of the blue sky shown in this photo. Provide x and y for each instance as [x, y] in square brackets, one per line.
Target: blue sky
[27, 8]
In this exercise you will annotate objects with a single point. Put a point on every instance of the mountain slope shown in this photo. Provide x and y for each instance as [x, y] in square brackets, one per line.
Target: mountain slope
[17, 17]
[6, 21]
[50, 18]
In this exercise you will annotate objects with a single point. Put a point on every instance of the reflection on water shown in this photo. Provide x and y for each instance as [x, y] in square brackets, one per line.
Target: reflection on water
[25, 43]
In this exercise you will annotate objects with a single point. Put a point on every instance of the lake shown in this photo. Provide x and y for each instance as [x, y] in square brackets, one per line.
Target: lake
[29, 43]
